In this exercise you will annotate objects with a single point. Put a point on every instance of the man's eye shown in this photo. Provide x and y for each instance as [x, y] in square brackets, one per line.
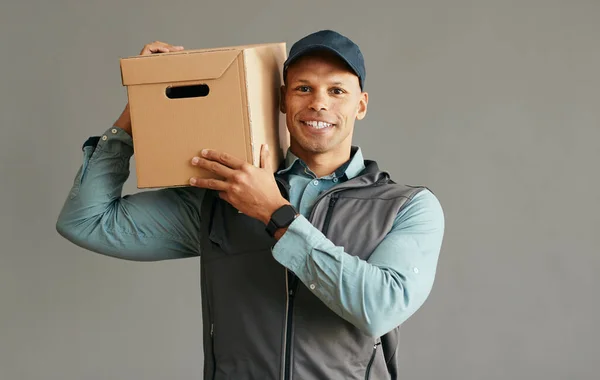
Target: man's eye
[338, 91]
[303, 88]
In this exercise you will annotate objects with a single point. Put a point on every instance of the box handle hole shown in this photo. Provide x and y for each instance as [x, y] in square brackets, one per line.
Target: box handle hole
[191, 91]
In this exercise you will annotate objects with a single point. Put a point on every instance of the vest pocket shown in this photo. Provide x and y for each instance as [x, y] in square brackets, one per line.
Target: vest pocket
[368, 372]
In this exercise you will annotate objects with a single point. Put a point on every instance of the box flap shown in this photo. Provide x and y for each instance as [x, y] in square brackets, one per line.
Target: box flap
[176, 67]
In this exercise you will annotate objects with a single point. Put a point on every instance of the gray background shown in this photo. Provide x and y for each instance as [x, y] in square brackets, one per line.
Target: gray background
[494, 105]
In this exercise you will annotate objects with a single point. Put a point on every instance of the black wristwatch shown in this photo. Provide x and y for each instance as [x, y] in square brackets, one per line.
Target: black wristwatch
[281, 218]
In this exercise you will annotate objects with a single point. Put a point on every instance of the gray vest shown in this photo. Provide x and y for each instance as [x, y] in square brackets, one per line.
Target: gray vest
[260, 322]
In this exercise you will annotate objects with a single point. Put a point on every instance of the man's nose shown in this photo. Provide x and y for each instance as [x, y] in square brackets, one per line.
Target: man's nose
[319, 101]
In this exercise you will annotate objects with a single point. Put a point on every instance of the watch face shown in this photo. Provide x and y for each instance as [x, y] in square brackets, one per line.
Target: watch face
[284, 216]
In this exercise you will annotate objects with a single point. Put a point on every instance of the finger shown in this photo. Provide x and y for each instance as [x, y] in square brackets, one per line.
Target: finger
[213, 166]
[209, 183]
[224, 158]
[265, 156]
[175, 48]
[153, 49]
[167, 45]
[159, 47]
[165, 49]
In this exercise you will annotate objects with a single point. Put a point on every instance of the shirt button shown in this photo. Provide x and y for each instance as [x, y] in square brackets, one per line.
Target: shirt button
[315, 182]
[312, 286]
[114, 130]
[335, 180]
[104, 138]
[416, 270]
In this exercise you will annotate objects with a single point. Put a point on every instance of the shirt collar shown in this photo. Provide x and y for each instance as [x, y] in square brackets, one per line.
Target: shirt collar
[349, 169]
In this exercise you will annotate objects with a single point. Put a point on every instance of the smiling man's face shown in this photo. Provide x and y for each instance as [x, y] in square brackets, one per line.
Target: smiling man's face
[322, 99]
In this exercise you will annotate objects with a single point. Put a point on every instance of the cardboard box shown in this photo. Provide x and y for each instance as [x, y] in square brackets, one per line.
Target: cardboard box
[182, 102]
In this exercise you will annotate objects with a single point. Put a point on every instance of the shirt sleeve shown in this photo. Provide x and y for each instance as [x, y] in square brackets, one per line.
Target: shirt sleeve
[381, 293]
[147, 226]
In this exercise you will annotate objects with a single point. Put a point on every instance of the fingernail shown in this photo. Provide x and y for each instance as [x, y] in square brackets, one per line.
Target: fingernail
[193, 181]
[195, 160]
[266, 147]
[204, 152]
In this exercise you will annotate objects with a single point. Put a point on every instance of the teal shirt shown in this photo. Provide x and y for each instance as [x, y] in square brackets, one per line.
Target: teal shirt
[375, 295]
[305, 186]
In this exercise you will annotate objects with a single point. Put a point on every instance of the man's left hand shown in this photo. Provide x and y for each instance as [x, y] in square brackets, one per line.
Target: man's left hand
[251, 190]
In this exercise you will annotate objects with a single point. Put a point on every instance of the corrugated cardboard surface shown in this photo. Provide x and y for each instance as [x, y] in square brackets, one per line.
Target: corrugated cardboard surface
[264, 103]
[240, 112]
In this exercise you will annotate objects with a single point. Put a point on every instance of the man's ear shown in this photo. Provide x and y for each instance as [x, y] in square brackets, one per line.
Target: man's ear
[282, 99]
[362, 106]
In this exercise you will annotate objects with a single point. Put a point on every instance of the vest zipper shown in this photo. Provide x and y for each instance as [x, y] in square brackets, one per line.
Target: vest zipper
[368, 373]
[291, 284]
[291, 287]
[212, 325]
[332, 201]
[212, 343]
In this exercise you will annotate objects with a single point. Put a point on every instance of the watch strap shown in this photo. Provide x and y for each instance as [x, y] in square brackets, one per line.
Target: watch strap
[276, 222]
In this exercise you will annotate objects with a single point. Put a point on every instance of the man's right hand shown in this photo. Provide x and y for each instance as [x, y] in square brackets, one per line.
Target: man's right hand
[124, 121]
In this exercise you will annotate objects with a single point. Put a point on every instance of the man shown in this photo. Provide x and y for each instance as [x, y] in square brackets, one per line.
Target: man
[307, 274]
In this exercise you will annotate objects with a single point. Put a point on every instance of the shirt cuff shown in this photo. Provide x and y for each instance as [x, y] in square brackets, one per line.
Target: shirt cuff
[114, 140]
[294, 247]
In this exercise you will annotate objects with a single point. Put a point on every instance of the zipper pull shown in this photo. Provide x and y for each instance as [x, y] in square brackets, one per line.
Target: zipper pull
[212, 329]
[332, 201]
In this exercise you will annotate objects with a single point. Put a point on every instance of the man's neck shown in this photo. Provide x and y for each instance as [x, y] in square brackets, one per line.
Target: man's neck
[323, 164]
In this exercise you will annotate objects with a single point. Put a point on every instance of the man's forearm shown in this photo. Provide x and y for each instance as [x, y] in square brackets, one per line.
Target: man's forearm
[124, 121]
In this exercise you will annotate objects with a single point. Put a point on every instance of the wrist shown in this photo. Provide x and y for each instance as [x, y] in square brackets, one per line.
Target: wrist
[281, 219]
[266, 218]
[124, 121]
[279, 233]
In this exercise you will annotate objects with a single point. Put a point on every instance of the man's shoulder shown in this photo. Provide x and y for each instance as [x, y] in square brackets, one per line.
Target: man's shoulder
[423, 207]
[384, 182]
[417, 195]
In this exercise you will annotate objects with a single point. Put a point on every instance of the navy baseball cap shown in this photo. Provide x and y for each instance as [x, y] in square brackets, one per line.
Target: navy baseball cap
[333, 42]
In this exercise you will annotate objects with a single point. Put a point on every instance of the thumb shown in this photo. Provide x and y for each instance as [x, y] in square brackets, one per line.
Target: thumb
[265, 155]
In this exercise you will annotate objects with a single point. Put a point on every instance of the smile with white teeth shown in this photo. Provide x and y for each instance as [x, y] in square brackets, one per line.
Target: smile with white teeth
[318, 124]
